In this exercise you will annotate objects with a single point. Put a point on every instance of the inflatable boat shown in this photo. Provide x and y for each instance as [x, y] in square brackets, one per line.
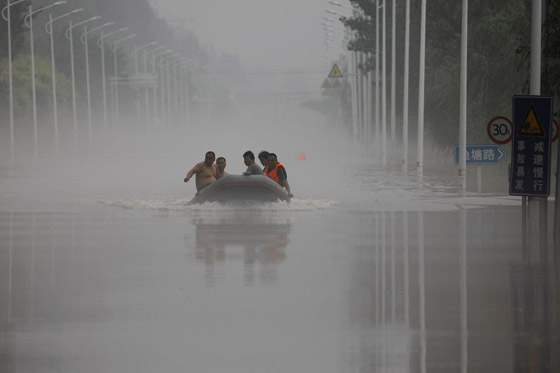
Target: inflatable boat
[242, 188]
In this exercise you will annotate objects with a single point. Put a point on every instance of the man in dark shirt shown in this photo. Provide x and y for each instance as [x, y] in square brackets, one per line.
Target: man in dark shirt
[263, 157]
[252, 167]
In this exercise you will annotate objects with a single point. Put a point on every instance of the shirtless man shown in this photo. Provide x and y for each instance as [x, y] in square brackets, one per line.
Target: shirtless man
[205, 171]
[221, 168]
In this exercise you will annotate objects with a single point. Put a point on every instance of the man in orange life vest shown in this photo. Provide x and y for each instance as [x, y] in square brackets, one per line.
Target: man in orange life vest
[277, 172]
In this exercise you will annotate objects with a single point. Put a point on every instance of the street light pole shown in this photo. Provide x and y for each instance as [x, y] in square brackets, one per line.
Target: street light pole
[49, 30]
[7, 17]
[154, 57]
[100, 44]
[136, 50]
[116, 90]
[84, 40]
[146, 95]
[377, 90]
[393, 83]
[463, 101]
[70, 36]
[28, 20]
[420, 135]
[384, 90]
[406, 84]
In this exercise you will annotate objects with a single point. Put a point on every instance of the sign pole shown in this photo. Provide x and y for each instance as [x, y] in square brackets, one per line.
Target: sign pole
[537, 205]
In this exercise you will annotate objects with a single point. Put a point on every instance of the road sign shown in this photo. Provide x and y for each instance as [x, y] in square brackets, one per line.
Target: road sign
[499, 130]
[481, 154]
[532, 135]
[326, 84]
[335, 72]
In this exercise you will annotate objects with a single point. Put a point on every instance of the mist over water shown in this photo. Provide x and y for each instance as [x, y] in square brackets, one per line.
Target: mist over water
[144, 169]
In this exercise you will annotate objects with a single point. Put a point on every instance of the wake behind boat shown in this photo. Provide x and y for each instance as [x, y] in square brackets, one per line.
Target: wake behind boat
[242, 188]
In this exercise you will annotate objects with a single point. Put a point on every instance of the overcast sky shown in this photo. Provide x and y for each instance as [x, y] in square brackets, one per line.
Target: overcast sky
[263, 33]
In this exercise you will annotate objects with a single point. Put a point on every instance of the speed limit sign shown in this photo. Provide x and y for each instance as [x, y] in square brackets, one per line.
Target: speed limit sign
[500, 130]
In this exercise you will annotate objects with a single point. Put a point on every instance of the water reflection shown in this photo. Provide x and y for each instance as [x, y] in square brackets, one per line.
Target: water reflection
[440, 295]
[258, 239]
[536, 327]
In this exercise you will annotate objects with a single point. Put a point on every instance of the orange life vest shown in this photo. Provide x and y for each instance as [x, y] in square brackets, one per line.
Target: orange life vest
[273, 174]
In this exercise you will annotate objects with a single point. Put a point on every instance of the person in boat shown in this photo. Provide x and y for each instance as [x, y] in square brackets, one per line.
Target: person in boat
[277, 172]
[221, 168]
[252, 167]
[263, 157]
[205, 171]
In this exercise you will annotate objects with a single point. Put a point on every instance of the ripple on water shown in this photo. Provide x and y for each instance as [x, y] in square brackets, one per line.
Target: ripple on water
[181, 205]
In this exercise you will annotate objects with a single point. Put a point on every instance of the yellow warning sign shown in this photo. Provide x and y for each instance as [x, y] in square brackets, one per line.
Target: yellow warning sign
[326, 84]
[531, 125]
[335, 72]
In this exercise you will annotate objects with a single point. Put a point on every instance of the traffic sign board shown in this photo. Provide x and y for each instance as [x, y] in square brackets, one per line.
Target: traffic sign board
[532, 135]
[335, 72]
[499, 130]
[481, 154]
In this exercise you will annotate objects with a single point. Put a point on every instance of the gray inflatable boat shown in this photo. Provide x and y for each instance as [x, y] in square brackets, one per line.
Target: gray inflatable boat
[242, 188]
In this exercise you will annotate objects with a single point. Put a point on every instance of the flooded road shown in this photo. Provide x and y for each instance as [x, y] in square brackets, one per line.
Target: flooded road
[104, 288]
[104, 269]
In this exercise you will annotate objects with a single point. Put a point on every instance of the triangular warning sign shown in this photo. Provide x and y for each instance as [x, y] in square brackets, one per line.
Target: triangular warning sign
[326, 84]
[531, 125]
[335, 72]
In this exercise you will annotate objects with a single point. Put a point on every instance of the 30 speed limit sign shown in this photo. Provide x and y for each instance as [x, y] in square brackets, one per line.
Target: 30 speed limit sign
[500, 130]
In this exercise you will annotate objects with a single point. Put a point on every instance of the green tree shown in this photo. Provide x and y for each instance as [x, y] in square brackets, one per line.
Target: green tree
[17, 14]
[498, 68]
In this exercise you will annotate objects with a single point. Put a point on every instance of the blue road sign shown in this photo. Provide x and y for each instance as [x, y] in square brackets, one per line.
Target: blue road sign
[481, 154]
[530, 147]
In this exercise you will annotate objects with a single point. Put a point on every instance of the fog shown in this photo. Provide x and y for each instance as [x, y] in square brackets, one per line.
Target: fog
[264, 34]
[105, 268]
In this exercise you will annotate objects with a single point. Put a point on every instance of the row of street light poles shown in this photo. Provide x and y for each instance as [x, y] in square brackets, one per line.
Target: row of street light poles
[180, 65]
[379, 120]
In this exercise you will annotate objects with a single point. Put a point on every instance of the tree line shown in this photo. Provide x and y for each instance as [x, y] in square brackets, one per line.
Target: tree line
[499, 36]
[137, 15]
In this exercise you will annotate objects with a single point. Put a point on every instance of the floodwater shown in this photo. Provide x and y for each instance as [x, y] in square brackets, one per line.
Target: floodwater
[375, 272]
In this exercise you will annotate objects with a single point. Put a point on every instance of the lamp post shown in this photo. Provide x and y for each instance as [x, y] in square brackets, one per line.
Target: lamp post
[384, 90]
[146, 95]
[7, 17]
[84, 41]
[100, 44]
[406, 86]
[49, 30]
[420, 136]
[154, 57]
[115, 43]
[136, 50]
[165, 87]
[393, 82]
[377, 91]
[70, 36]
[166, 104]
[28, 20]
